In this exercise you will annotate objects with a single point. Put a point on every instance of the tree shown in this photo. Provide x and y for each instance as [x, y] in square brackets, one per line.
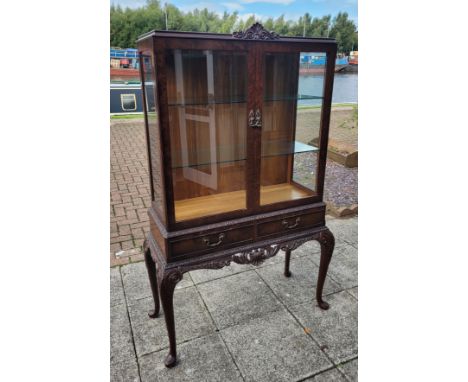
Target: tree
[344, 30]
[127, 24]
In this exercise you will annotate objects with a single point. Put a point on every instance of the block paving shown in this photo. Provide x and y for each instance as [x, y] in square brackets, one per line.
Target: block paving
[130, 191]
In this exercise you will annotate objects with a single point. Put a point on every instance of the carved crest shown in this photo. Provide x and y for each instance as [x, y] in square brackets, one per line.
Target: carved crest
[256, 32]
[255, 256]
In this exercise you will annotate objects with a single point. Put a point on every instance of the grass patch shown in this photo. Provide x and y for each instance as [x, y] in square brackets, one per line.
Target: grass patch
[333, 105]
[127, 116]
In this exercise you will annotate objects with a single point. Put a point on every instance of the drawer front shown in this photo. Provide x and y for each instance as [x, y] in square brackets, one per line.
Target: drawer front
[291, 223]
[212, 241]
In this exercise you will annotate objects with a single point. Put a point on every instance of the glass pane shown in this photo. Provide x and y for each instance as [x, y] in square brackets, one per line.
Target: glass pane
[207, 93]
[292, 100]
[153, 130]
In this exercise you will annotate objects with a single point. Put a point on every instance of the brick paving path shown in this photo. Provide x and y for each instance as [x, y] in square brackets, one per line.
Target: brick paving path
[130, 193]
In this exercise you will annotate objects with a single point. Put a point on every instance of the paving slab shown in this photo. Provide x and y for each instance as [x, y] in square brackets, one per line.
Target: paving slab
[301, 286]
[121, 343]
[265, 340]
[350, 369]
[202, 359]
[335, 329]
[191, 319]
[344, 229]
[125, 371]
[116, 289]
[274, 347]
[204, 275]
[238, 298]
[310, 248]
[343, 267]
[332, 375]
[136, 282]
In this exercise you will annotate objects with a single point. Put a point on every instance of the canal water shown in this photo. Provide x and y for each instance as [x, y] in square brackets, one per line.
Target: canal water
[345, 88]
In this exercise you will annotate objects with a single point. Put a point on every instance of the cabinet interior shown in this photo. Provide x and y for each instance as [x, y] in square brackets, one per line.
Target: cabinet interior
[207, 94]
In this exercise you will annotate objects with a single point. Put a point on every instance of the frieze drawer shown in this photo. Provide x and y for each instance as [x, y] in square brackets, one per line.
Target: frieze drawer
[210, 241]
[290, 223]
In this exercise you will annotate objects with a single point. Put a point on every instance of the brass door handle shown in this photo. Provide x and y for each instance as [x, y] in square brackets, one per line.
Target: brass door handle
[206, 240]
[255, 118]
[296, 223]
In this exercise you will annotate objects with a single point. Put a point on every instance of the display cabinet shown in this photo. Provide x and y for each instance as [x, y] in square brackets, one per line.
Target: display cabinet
[237, 146]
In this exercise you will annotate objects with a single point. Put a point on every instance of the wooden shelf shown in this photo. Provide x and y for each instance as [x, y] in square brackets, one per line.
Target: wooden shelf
[231, 201]
[281, 192]
[210, 205]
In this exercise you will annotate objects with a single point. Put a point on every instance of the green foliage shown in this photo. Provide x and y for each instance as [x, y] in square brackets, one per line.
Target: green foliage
[344, 30]
[127, 24]
[127, 116]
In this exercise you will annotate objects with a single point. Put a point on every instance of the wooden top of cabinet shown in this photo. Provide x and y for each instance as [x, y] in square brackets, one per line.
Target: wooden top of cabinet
[255, 33]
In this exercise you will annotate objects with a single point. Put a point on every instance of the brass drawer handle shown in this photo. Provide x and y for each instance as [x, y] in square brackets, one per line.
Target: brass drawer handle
[287, 226]
[206, 240]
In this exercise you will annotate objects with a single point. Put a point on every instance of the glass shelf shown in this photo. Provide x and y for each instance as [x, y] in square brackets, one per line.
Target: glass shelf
[279, 148]
[274, 149]
[202, 156]
[208, 163]
[299, 97]
[209, 103]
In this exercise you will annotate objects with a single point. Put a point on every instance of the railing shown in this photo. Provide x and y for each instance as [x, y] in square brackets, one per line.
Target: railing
[124, 53]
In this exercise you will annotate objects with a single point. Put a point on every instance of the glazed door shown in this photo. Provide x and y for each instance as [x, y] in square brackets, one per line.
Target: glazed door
[291, 101]
[207, 100]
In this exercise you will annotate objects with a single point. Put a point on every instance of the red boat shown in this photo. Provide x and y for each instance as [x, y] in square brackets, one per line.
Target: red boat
[353, 58]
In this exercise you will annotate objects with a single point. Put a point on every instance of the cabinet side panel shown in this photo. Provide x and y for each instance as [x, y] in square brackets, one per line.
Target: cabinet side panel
[153, 133]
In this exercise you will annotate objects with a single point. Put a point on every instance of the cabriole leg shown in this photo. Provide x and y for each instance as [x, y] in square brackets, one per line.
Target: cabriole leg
[168, 284]
[151, 268]
[327, 244]
[287, 272]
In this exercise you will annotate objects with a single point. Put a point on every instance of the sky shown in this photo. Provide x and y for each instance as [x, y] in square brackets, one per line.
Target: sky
[262, 9]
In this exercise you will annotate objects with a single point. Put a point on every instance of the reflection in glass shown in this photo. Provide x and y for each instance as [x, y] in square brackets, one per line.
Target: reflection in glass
[153, 132]
[207, 113]
[292, 102]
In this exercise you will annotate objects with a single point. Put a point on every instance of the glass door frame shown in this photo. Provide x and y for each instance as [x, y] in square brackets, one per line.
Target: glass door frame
[295, 47]
[161, 48]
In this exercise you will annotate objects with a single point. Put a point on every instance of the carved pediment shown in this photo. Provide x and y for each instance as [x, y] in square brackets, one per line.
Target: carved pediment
[256, 32]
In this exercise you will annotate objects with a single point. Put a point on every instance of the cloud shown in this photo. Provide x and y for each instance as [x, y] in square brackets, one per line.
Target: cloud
[245, 16]
[233, 6]
[284, 2]
[210, 5]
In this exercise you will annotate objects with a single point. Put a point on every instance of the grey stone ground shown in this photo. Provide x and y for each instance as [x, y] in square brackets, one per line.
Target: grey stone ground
[244, 323]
